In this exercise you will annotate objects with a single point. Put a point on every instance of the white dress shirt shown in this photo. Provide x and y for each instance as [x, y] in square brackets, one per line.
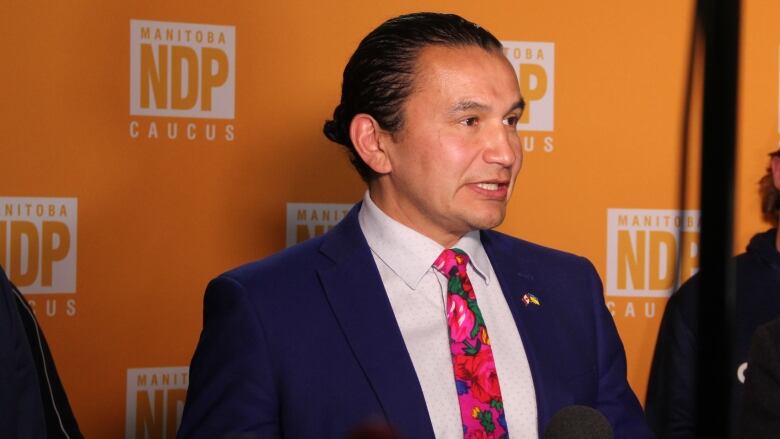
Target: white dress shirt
[417, 294]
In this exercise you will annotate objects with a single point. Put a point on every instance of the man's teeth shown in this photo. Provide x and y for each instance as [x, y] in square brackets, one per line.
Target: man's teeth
[488, 186]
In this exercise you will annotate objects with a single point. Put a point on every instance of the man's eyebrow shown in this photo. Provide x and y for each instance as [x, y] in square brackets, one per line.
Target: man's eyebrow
[468, 106]
[519, 105]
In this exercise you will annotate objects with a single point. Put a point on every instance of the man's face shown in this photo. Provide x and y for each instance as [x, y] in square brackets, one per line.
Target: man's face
[455, 160]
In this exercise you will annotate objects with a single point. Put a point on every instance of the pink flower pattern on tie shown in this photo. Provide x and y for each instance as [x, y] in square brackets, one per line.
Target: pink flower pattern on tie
[476, 380]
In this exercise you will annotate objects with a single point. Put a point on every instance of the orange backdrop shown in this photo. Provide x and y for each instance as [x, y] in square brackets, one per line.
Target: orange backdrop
[118, 205]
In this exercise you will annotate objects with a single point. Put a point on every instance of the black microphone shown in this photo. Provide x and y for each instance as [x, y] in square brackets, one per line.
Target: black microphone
[578, 422]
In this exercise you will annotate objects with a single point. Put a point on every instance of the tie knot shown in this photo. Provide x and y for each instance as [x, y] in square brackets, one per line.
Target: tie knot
[452, 261]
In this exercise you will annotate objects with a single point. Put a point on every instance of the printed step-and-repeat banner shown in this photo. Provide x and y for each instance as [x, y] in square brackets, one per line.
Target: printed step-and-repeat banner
[148, 147]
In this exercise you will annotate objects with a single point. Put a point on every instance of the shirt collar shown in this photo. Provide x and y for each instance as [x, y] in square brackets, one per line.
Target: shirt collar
[472, 245]
[408, 253]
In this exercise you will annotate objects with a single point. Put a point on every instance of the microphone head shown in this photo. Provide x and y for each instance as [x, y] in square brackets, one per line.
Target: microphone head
[578, 422]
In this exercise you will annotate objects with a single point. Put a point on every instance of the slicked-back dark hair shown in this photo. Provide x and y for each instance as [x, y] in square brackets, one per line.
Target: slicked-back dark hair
[379, 76]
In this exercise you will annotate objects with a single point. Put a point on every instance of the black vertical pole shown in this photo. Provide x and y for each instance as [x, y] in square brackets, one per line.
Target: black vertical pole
[716, 299]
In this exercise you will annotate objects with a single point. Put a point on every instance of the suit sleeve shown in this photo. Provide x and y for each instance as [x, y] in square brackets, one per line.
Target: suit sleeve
[616, 400]
[231, 391]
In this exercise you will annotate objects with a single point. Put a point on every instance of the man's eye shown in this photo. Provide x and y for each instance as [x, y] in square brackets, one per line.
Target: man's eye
[511, 120]
[470, 122]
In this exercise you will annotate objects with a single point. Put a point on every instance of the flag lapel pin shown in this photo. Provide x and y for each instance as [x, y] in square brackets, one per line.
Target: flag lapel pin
[529, 299]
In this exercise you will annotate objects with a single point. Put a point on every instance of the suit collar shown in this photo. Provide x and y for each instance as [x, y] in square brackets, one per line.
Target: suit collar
[357, 296]
[516, 275]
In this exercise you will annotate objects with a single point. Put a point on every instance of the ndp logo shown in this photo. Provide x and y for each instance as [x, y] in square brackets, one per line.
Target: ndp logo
[155, 402]
[307, 220]
[38, 240]
[535, 67]
[642, 249]
[182, 70]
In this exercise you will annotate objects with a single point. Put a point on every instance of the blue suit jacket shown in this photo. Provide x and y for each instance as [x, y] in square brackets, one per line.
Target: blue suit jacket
[304, 344]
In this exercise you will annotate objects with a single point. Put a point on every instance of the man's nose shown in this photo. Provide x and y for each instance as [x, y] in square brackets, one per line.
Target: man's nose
[502, 146]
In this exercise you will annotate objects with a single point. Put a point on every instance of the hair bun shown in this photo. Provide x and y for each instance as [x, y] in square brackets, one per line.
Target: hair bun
[336, 129]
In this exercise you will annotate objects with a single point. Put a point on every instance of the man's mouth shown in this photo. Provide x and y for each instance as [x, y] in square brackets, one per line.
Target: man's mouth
[488, 186]
[493, 190]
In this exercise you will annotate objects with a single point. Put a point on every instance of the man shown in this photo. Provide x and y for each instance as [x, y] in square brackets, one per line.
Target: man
[411, 312]
[671, 392]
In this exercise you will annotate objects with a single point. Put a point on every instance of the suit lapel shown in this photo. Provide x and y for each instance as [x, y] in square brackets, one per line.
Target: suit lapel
[357, 296]
[516, 280]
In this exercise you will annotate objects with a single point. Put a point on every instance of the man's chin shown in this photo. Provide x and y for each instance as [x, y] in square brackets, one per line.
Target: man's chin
[487, 221]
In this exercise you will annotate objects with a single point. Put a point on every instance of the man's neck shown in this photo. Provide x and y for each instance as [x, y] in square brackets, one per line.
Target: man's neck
[392, 208]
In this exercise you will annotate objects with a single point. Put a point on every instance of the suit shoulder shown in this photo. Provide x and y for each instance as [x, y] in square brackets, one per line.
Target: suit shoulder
[532, 252]
[285, 264]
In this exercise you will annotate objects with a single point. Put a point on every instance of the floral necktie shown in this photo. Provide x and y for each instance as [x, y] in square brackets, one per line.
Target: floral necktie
[476, 380]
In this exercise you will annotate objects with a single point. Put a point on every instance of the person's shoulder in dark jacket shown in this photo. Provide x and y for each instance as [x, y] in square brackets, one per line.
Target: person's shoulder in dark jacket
[670, 400]
[760, 416]
[21, 409]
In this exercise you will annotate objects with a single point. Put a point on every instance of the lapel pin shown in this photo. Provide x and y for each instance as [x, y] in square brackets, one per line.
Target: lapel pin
[529, 298]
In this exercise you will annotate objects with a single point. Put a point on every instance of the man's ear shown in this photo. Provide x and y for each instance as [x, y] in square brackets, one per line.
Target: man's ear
[776, 171]
[369, 141]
